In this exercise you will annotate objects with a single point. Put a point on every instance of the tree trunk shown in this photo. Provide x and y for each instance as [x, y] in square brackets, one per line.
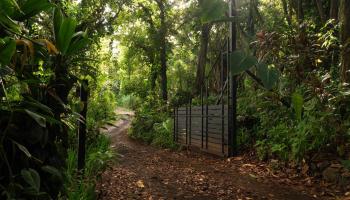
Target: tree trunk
[300, 11]
[345, 40]
[285, 10]
[251, 25]
[163, 59]
[320, 11]
[202, 57]
[334, 9]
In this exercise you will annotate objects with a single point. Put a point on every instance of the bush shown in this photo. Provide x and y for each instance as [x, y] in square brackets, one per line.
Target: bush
[153, 126]
[130, 101]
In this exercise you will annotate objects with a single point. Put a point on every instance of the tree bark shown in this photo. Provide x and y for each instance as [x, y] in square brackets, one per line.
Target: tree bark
[285, 10]
[345, 40]
[320, 11]
[334, 9]
[251, 25]
[202, 57]
[162, 49]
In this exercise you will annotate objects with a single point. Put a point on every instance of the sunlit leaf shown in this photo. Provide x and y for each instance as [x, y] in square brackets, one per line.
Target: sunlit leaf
[66, 34]
[297, 103]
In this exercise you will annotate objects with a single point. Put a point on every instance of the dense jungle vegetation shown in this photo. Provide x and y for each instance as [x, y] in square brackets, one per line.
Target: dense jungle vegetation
[153, 55]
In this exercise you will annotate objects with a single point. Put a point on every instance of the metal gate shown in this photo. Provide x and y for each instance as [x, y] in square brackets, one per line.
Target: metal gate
[203, 127]
[213, 128]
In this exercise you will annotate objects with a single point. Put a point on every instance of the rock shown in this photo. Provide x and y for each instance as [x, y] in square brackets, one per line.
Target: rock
[323, 165]
[344, 179]
[336, 166]
[331, 174]
[274, 164]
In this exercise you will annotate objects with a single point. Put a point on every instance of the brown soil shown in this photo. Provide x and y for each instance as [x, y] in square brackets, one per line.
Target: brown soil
[146, 172]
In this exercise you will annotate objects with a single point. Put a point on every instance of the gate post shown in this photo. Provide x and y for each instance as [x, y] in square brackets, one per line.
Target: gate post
[232, 139]
[202, 105]
[190, 123]
[174, 131]
[82, 125]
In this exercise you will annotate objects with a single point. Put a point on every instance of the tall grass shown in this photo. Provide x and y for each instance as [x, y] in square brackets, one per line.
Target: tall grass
[98, 155]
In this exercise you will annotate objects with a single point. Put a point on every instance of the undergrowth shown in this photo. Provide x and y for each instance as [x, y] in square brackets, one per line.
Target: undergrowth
[98, 154]
[153, 124]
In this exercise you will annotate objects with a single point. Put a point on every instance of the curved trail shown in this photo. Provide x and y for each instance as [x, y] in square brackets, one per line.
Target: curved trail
[146, 172]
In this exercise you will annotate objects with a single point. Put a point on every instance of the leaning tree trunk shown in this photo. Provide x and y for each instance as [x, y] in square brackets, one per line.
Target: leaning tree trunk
[345, 40]
[202, 57]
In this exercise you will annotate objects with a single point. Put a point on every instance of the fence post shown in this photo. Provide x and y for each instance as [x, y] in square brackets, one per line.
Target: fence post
[174, 131]
[233, 88]
[222, 106]
[177, 124]
[186, 124]
[206, 114]
[190, 131]
[202, 105]
[82, 125]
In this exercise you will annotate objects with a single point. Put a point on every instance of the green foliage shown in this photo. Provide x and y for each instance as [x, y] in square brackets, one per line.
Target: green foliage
[7, 49]
[98, 155]
[153, 126]
[268, 76]
[240, 61]
[130, 101]
[211, 10]
[297, 103]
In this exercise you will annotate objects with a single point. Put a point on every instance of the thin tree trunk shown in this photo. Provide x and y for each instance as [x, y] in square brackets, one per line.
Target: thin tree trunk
[202, 57]
[251, 25]
[300, 11]
[345, 40]
[285, 10]
[163, 59]
[334, 9]
[320, 11]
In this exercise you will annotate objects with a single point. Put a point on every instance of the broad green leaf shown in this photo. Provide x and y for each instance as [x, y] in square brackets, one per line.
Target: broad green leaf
[38, 118]
[57, 21]
[32, 178]
[7, 7]
[297, 103]
[77, 45]
[7, 50]
[65, 34]
[239, 62]
[7, 23]
[31, 8]
[269, 76]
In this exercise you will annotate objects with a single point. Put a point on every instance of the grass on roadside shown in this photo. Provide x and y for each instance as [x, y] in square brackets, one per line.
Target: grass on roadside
[98, 154]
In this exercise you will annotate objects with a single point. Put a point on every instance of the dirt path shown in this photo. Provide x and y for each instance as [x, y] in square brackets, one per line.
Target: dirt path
[146, 172]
